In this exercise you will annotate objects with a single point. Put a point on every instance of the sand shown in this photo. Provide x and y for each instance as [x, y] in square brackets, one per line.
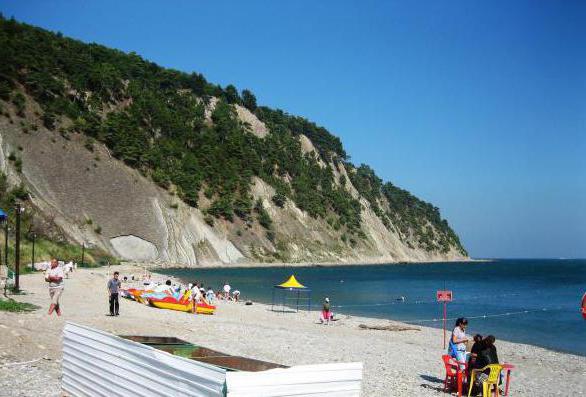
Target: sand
[396, 363]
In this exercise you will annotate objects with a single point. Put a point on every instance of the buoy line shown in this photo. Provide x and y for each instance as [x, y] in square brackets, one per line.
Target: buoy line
[430, 320]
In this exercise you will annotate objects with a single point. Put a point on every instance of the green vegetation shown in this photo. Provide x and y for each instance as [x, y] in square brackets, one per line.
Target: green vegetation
[10, 305]
[417, 221]
[153, 119]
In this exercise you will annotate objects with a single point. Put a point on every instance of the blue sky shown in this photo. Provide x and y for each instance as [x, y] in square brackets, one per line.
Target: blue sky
[477, 107]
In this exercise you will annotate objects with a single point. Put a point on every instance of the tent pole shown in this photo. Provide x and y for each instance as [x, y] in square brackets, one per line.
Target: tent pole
[297, 301]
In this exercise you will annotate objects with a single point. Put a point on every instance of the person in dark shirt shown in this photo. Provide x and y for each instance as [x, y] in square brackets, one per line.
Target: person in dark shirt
[113, 287]
[476, 348]
[486, 356]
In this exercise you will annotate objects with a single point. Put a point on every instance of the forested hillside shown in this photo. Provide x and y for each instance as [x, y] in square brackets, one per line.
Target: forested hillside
[186, 135]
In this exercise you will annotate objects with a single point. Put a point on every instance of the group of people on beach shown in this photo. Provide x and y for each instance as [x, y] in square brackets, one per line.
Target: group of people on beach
[196, 291]
[482, 353]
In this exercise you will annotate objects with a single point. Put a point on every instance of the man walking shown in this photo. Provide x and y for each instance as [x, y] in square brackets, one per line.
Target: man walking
[54, 276]
[113, 286]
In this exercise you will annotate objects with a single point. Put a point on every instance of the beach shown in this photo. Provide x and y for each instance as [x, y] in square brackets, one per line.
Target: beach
[396, 363]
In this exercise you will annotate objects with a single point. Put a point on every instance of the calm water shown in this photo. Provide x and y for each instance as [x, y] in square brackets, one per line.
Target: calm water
[541, 297]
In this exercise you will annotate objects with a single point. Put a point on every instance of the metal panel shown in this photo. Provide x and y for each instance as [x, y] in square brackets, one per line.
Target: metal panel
[96, 363]
[339, 380]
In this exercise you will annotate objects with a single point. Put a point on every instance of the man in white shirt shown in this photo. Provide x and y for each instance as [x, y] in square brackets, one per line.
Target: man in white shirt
[54, 276]
[196, 294]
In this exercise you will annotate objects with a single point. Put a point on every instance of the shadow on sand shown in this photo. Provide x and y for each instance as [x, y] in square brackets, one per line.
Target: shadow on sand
[439, 383]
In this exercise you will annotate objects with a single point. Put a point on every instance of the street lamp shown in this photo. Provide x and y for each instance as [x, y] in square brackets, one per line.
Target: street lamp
[3, 219]
[33, 235]
[18, 209]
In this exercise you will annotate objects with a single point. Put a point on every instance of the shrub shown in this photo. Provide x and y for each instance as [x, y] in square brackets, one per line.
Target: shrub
[263, 216]
[18, 165]
[89, 144]
[279, 200]
[209, 219]
[19, 101]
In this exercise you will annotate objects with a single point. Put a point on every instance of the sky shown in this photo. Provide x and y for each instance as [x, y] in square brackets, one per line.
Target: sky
[477, 107]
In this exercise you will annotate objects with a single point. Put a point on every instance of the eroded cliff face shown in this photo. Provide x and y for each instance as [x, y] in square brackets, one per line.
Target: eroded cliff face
[96, 199]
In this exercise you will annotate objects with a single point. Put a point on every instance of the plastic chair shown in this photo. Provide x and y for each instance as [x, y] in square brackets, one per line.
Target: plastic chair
[454, 373]
[493, 380]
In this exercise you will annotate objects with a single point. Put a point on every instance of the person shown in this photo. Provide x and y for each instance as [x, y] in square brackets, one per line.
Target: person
[227, 289]
[3, 278]
[476, 348]
[458, 341]
[486, 356]
[196, 293]
[326, 314]
[54, 276]
[113, 287]
[210, 295]
[147, 279]
[236, 295]
[68, 268]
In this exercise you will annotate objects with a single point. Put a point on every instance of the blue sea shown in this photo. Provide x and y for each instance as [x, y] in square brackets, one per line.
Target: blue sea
[531, 301]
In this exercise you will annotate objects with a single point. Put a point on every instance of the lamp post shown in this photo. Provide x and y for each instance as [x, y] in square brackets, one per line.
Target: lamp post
[34, 236]
[18, 211]
[6, 242]
[3, 219]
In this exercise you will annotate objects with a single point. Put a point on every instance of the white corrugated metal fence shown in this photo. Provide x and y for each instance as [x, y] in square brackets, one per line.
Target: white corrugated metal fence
[96, 363]
[99, 364]
[335, 380]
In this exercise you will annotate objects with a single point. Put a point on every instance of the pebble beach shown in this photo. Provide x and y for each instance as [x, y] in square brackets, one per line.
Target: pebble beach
[396, 362]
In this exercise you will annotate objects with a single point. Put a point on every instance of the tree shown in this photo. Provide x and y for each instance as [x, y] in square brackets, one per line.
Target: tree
[248, 100]
[231, 95]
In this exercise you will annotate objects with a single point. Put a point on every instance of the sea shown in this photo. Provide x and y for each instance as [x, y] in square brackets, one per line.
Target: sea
[533, 301]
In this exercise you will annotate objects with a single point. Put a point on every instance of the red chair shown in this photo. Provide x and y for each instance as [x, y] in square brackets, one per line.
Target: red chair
[455, 375]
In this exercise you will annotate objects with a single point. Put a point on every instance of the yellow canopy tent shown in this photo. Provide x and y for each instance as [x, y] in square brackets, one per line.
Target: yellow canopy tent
[291, 283]
[288, 287]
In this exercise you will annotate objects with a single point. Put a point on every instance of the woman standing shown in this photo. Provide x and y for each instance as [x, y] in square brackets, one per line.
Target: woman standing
[458, 340]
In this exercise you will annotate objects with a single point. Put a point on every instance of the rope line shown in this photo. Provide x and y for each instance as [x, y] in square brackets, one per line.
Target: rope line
[480, 316]
[424, 302]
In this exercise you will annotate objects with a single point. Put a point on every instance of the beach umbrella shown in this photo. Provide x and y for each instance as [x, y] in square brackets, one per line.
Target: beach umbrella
[291, 286]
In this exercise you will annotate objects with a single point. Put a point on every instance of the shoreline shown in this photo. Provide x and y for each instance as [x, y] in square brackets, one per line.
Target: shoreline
[396, 363]
[153, 267]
